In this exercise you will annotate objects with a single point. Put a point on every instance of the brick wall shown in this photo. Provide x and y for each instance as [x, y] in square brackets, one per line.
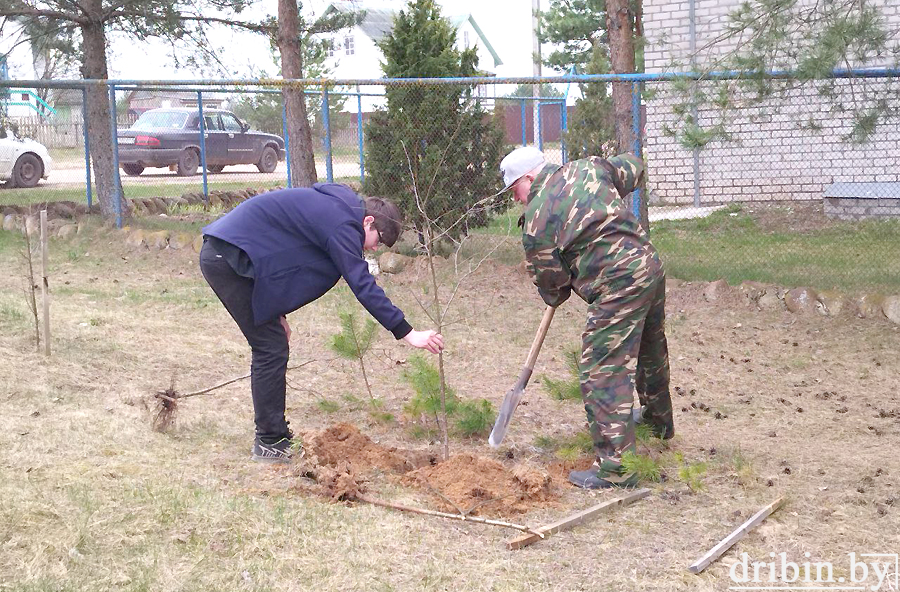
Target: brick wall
[790, 147]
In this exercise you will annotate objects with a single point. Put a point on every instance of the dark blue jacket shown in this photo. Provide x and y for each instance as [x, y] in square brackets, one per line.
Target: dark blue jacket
[301, 242]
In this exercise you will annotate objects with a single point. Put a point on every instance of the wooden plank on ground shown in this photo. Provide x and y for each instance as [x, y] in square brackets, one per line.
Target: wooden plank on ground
[576, 519]
[735, 536]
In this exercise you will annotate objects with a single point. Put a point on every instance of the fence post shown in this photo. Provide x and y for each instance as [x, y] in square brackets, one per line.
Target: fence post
[636, 148]
[563, 126]
[524, 119]
[203, 147]
[359, 135]
[87, 147]
[540, 136]
[287, 144]
[117, 180]
[326, 121]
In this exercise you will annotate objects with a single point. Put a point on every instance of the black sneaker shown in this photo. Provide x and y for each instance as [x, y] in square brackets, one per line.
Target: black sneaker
[279, 452]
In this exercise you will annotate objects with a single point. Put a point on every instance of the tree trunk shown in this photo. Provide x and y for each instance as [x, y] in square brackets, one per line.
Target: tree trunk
[619, 24]
[621, 54]
[106, 176]
[299, 140]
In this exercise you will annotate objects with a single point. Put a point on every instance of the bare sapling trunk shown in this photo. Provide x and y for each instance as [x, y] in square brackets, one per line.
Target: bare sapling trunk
[438, 319]
[45, 283]
[31, 288]
[362, 366]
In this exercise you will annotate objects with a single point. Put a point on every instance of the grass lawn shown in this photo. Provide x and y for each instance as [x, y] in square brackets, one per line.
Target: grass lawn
[790, 245]
[736, 244]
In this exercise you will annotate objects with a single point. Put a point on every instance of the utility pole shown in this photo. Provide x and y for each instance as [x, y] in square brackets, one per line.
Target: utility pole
[536, 51]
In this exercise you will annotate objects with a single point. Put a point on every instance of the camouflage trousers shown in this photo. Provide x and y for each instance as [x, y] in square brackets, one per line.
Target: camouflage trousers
[624, 337]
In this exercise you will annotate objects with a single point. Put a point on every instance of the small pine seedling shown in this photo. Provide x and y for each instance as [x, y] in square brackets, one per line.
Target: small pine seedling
[692, 475]
[548, 443]
[423, 377]
[354, 342]
[568, 389]
[644, 467]
[328, 406]
[474, 418]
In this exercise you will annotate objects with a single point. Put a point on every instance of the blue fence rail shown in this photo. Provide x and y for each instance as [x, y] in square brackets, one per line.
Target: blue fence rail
[329, 91]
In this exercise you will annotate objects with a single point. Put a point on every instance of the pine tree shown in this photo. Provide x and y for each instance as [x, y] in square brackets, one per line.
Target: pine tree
[438, 137]
[354, 342]
[591, 130]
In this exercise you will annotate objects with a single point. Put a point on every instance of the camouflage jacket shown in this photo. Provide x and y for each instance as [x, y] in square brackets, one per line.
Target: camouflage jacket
[579, 234]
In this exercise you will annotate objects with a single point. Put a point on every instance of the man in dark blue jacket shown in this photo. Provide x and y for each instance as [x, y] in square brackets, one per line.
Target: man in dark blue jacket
[281, 250]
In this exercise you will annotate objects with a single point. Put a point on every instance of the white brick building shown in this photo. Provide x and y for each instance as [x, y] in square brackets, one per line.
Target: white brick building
[791, 147]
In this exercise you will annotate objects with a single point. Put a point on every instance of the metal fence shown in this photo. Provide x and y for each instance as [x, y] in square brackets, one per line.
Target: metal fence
[749, 178]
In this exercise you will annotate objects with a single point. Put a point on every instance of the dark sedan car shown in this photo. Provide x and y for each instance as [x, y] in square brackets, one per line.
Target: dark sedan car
[171, 137]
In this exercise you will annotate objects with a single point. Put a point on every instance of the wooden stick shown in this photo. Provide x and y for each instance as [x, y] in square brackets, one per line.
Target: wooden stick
[576, 519]
[45, 284]
[462, 517]
[735, 536]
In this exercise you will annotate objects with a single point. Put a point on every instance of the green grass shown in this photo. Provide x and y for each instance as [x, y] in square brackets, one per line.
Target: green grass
[573, 447]
[731, 245]
[12, 313]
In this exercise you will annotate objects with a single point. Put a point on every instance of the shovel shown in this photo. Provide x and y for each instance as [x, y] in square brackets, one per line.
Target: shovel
[512, 398]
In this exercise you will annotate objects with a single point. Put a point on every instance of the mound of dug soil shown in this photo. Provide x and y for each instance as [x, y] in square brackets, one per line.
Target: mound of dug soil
[344, 443]
[344, 462]
[478, 485]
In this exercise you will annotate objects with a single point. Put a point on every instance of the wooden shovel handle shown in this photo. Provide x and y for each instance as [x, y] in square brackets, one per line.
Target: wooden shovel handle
[539, 339]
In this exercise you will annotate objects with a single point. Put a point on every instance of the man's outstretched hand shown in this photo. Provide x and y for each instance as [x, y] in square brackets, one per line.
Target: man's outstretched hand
[430, 340]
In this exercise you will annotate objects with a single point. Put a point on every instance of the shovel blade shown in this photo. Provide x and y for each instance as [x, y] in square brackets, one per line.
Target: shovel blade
[510, 402]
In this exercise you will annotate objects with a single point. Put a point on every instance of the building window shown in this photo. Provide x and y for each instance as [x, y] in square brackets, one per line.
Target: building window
[330, 47]
[26, 97]
[466, 39]
[348, 45]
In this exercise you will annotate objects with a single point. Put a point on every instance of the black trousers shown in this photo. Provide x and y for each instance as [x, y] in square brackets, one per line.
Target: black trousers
[268, 344]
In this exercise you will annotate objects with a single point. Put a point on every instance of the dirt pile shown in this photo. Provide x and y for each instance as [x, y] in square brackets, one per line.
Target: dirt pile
[344, 443]
[341, 459]
[477, 485]
[344, 462]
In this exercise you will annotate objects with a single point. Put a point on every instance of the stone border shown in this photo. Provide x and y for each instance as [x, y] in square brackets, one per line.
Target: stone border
[63, 216]
[804, 300]
[759, 295]
[154, 206]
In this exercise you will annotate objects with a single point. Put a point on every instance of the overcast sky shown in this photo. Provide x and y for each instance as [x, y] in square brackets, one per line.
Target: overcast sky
[506, 23]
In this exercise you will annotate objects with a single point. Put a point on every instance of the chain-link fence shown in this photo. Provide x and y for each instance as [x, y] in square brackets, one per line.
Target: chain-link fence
[768, 179]
[779, 180]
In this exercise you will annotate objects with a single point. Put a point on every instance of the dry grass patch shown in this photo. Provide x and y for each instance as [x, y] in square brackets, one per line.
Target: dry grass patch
[92, 499]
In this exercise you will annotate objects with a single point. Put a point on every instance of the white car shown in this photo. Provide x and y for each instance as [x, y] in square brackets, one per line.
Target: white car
[23, 162]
